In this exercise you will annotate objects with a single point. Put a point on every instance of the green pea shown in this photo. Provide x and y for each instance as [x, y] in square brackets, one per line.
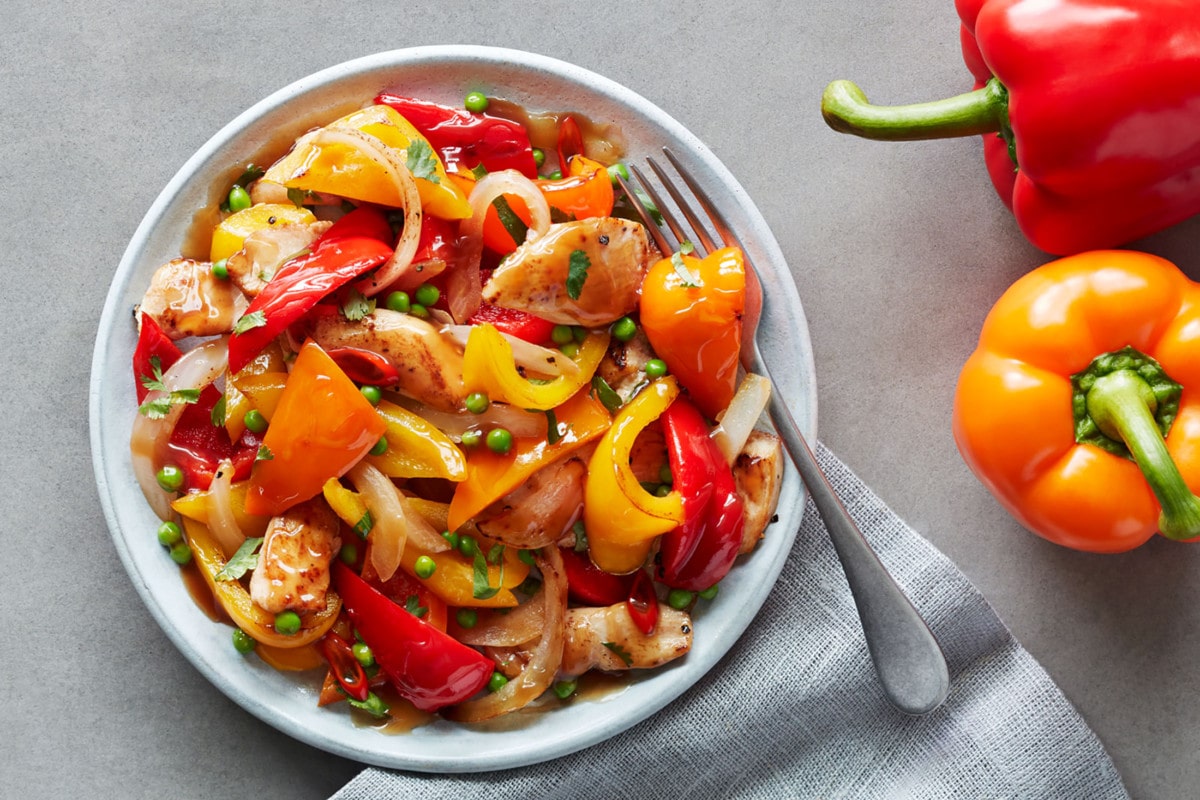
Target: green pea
[373, 394]
[348, 554]
[617, 169]
[468, 546]
[499, 440]
[466, 617]
[169, 534]
[562, 334]
[476, 102]
[362, 654]
[181, 554]
[424, 566]
[427, 294]
[564, 689]
[287, 623]
[243, 642]
[477, 402]
[220, 269]
[497, 682]
[170, 478]
[419, 311]
[451, 537]
[239, 198]
[471, 438]
[680, 599]
[624, 329]
[662, 490]
[656, 368]
[539, 156]
[556, 175]
[570, 349]
[580, 333]
[380, 447]
[710, 592]
[398, 301]
[255, 421]
[664, 474]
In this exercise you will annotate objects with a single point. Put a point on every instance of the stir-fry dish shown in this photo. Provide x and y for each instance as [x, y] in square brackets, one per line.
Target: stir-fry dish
[434, 415]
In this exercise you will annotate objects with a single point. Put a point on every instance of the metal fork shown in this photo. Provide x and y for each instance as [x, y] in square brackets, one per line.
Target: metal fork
[907, 658]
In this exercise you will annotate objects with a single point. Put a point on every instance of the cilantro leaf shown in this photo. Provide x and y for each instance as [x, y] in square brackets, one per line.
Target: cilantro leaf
[255, 319]
[355, 307]
[421, 161]
[244, 560]
[688, 276]
[481, 589]
[413, 606]
[620, 652]
[298, 196]
[217, 417]
[515, 226]
[159, 407]
[552, 432]
[264, 454]
[607, 395]
[577, 272]
[581, 542]
[364, 525]
[154, 383]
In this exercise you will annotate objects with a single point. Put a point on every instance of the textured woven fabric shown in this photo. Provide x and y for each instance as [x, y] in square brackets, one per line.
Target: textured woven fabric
[794, 709]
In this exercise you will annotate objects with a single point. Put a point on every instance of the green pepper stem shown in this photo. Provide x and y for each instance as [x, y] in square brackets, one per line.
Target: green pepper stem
[1122, 404]
[985, 110]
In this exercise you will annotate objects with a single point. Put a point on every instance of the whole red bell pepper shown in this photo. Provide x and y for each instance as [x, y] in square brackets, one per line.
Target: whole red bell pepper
[700, 551]
[1097, 107]
[466, 138]
[356, 243]
[427, 667]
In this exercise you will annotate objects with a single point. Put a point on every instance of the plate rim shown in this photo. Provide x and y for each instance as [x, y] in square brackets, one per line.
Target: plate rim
[586, 733]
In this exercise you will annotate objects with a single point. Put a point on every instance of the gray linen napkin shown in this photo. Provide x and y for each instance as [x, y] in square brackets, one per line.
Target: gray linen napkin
[794, 710]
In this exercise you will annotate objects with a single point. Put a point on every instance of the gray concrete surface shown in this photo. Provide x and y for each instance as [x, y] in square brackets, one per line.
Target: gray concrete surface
[898, 252]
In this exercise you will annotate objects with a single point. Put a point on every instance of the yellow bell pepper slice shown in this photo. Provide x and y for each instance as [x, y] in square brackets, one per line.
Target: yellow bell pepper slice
[623, 519]
[344, 171]
[416, 448]
[488, 367]
[490, 475]
[232, 231]
[194, 505]
[292, 659]
[236, 602]
[256, 386]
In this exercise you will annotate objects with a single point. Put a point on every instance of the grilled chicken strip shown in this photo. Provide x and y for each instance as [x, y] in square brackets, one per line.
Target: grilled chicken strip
[598, 637]
[293, 562]
[534, 277]
[265, 251]
[758, 474]
[186, 299]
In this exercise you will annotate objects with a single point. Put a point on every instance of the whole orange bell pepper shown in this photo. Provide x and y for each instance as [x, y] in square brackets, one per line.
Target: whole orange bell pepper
[1079, 410]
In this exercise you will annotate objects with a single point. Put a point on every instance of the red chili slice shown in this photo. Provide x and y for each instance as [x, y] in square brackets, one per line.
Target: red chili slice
[344, 667]
[643, 603]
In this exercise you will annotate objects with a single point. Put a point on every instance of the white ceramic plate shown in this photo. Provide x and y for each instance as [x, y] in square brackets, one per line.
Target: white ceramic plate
[288, 701]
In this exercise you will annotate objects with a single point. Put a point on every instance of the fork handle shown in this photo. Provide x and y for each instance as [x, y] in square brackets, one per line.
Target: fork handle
[908, 660]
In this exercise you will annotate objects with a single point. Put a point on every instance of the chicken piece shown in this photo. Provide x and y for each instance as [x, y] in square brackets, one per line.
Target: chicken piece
[265, 251]
[430, 365]
[598, 637]
[541, 510]
[624, 365]
[186, 299]
[534, 277]
[758, 474]
[293, 562]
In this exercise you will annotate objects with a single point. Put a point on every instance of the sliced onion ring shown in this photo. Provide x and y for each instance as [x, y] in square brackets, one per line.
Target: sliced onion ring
[464, 286]
[196, 369]
[397, 268]
[743, 413]
[545, 361]
[221, 522]
[515, 627]
[517, 421]
[389, 533]
[544, 660]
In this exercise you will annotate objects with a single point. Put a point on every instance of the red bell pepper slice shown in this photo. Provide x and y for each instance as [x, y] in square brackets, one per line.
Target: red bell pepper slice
[701, 551]
[356, 243]
[152, 343]
[590, 585]
[642, 602]
[570, 143]
[520, 324]
[428, 668]
[438, 241]
[344, 667]
[462, 137]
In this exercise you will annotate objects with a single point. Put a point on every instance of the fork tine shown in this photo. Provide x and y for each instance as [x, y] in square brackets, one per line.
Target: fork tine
[710, 208]
[664, 211]
[700, 232]
[656, 233]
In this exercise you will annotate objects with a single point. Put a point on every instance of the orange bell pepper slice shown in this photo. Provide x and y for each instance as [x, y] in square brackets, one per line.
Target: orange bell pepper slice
[321, 427]
[1052, 372]
[586, 192]
[691, 310]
